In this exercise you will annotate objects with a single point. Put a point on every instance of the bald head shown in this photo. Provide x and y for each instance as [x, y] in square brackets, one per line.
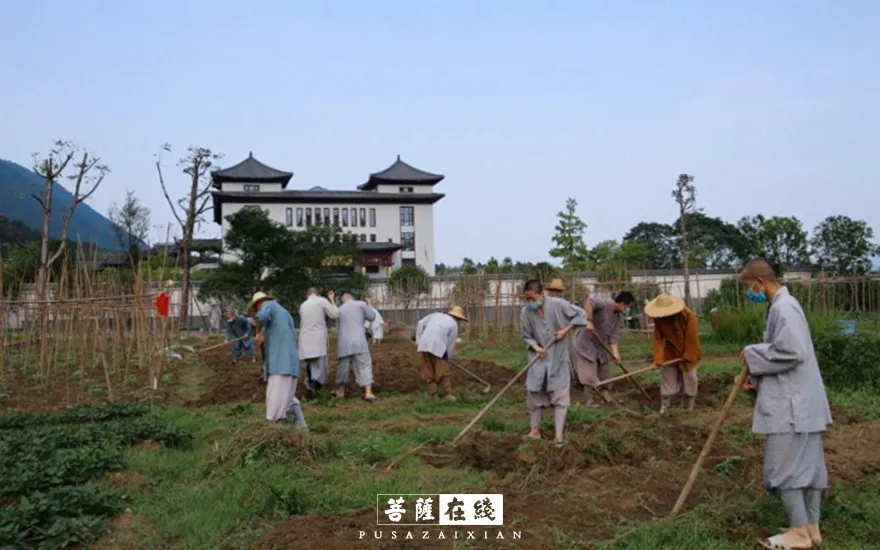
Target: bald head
[759, 269]
[346, 296]
[311, 291]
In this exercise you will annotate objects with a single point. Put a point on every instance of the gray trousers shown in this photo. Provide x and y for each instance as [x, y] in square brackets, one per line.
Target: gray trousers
[317, 371]
[362, 364]
[795, 470]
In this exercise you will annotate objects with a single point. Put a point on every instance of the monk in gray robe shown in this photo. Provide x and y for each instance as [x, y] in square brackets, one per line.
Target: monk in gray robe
[604, 317]
[435, 337]
[791, 408]
[353, 349]
[544, 321]
[556, 289]
[313, 315]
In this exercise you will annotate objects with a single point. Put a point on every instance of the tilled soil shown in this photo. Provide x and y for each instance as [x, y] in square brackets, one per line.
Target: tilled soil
[396, 369]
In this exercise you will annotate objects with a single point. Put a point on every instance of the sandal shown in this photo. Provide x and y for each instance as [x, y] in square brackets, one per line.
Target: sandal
[780, 542]
[369, 398]
[558, 442]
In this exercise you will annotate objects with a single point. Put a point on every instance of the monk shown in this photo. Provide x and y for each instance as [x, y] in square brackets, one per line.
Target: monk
[313, 350]
[676, 336]
[281, 359]
[791, 408]
[604, 316]
[376, 327]
[556, 289]
[545, 321]
[240, 329]
[353, 350]
[436, 336]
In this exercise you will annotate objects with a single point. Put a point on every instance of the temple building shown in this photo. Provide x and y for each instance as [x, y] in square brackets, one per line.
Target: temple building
[392, 214]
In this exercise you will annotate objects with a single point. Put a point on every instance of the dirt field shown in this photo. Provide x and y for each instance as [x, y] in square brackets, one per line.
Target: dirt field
[395, 369]
[625, 465]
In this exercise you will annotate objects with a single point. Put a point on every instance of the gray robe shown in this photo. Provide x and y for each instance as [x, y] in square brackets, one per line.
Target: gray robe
[553, 372]
[313, 314]
[606, 323]
[436, 334]
[792, 407]
[352, 339]
[791, 394]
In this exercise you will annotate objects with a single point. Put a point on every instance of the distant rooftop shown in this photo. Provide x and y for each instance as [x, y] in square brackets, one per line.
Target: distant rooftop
[250, 170]
[400, 172]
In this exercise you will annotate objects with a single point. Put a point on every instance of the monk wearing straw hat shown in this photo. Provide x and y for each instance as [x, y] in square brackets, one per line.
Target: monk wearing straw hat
[556, 288]
[281, 360]
[676, 336]
[436, 335]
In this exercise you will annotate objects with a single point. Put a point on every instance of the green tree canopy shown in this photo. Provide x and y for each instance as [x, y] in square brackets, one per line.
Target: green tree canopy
[569, 239]
[408, 283]
[843, 246]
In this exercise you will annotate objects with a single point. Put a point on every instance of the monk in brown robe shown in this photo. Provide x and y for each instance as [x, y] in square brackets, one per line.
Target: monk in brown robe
[676, 336]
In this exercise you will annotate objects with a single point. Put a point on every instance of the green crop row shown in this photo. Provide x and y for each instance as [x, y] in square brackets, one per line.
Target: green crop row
[52, 468]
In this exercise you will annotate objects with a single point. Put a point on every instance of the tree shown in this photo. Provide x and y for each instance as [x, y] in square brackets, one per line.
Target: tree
[492, 266]
[131, 223]
[569, 238]
[713, 242]
[843, 246]
[659, 243]
[284, 263]
[781, 240]
[507, 265]
[86, 175]
[408, 283]
[190, 209]
[685, 193]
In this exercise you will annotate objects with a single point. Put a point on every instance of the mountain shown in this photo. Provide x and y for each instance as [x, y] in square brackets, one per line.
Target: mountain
[18, 183]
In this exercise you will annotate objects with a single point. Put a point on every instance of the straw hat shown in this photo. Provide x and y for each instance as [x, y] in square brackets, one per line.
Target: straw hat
[258, 297]
[169, 282]
[664, 306]
[458, 313]
[556, 284]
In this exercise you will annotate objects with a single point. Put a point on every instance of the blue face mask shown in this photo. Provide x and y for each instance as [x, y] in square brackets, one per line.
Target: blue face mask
[535, 306]
[756, 297]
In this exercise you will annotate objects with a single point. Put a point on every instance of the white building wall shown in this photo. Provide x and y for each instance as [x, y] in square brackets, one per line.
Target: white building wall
[387, 227]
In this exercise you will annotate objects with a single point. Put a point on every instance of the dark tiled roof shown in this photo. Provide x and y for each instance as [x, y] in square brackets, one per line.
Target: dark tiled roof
[250, 170]
[401, 172]
[380, 247]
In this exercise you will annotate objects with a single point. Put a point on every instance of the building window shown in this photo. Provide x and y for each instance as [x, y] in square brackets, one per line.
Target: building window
[406, 189]
[407, 261]
[345, 217]
[336, 217]
[363, 217]
[326, 216]
[288, 217]
[372, 217]
[373, 269]
[299, 217]
[372, 237]
[251, 188]
[318, 220]
[354, 217]
[363, 237]
[407, 216]
[308, 217]
[408, 240]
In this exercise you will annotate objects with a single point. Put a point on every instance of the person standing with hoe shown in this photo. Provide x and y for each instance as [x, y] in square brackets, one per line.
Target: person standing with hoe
[593, 361]
[676, 336]
[353, 349]
[313, 338]
[791, 408]
[281, 359]
[543, 321]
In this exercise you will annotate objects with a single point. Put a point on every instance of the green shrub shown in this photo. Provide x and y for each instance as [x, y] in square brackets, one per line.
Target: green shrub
[746, 325]
[849, 362]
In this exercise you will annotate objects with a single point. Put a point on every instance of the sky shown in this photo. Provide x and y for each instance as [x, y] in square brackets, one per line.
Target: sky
[772, 106]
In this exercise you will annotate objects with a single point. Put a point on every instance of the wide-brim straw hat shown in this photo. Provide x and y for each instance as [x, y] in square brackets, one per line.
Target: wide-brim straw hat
[258, 297]
[169, 282]
[458, 313]
[556, 284]
[664, 306]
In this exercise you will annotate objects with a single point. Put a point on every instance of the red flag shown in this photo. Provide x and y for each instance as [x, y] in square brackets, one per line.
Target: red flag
[162, 302]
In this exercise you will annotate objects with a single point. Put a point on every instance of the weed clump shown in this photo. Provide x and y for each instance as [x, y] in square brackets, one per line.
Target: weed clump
[271, 442]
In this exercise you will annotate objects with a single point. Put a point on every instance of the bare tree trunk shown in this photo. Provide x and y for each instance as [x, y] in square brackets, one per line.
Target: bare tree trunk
[186, 260]
[43, 270]
[685, 253]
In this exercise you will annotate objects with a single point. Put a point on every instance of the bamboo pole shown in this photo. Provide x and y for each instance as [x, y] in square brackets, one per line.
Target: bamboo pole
[716, 429]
